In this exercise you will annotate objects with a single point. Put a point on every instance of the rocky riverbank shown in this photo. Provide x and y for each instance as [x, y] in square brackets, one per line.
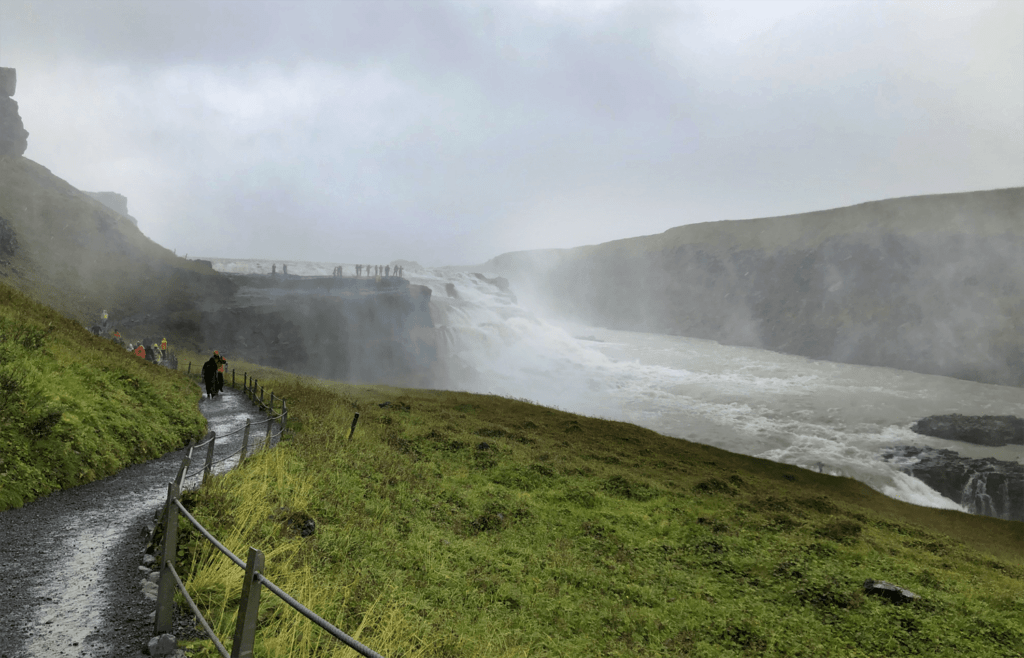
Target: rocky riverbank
[979, 430]
[983, 486]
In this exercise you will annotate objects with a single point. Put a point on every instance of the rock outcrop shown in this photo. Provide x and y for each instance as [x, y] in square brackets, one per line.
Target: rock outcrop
[116, 202]
[887, 590]
[346, 329]
[983, 486]
[980, 430]
[13, 136]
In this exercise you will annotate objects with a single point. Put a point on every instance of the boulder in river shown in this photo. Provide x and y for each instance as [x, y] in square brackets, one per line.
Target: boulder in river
[980, 430]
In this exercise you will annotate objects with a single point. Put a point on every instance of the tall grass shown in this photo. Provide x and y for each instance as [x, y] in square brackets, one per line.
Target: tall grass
[465, 525]
[75, 408]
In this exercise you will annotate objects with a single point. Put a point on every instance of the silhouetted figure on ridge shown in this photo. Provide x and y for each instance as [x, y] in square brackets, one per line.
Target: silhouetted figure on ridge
[387, 270]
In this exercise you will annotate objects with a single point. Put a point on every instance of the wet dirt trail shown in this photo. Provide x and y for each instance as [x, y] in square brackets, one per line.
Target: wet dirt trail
[70, 577]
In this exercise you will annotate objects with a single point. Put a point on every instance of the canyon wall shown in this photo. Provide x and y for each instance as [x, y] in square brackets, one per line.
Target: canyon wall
[932, 284]
[346, 329]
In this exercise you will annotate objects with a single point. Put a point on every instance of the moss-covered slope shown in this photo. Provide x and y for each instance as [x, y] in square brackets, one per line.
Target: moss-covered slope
[75, 408]
[458, 525]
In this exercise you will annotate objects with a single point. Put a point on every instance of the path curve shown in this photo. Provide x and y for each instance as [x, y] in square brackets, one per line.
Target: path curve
[70, 580]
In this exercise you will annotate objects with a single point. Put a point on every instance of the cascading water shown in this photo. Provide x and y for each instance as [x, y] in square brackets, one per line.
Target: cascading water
[974, 498]
[829, 417]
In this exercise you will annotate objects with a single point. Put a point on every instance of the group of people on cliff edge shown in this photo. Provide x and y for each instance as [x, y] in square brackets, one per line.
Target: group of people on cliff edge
[373, 270]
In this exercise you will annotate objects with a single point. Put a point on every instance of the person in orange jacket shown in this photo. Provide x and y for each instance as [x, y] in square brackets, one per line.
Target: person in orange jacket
[221, 362]
[140, 351]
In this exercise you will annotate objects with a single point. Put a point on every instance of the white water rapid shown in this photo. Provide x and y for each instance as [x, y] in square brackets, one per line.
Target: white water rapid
[829, 417]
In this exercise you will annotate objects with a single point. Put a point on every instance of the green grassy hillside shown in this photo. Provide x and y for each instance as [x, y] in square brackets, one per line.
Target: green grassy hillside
[72, 253]
[466, 525]
[931, 284]
[75, 408]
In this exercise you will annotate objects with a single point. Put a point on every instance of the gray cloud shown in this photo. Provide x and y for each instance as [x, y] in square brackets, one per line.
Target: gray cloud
[450, 132]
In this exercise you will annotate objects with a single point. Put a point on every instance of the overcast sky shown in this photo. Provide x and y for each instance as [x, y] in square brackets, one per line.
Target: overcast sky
[448, 133]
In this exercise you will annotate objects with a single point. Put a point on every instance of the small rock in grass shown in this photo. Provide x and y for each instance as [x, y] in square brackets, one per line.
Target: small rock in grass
[892, 592]
[162, 645]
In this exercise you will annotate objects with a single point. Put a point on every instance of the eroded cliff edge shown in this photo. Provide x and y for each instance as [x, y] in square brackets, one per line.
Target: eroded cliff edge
[345, 329]
[932, 284]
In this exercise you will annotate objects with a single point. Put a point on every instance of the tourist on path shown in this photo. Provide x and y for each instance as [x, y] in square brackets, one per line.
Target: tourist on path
[210, 376]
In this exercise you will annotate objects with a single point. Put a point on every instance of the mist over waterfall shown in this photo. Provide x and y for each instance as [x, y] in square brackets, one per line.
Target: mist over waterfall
[829, 417]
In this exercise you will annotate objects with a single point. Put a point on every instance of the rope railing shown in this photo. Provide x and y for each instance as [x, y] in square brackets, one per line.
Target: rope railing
[359, 647]
[248, 610]
[199, 616]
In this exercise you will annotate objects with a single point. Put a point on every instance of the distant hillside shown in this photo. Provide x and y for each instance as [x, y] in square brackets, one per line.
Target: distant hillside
[933, 284]
[72, 253]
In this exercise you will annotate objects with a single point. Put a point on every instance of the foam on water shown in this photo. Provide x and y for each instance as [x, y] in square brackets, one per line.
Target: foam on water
[828, 417]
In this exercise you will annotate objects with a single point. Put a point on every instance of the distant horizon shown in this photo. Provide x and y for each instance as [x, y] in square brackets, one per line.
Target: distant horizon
[484, 262]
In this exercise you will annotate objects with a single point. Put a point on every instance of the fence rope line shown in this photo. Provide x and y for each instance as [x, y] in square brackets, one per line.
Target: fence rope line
[317, 619]
[206, 533]
[248, 610]
[240, 429]
[334, 631]
[247, 620]
[199, 615]
[257, 446]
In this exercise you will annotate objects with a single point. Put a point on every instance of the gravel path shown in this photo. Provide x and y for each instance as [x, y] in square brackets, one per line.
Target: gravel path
[69, 563]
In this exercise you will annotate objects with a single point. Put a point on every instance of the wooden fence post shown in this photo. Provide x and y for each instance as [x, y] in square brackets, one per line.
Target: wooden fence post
[284, 415]
[271, 403]
[261, 397]
[209, 458]
[352, 431]
[232, 378]
[185, 463]
[189, 368]
[165, 594]
[248, 607]
[245, 443]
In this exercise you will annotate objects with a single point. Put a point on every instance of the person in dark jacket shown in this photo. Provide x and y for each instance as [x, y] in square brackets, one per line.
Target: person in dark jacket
[210, 376]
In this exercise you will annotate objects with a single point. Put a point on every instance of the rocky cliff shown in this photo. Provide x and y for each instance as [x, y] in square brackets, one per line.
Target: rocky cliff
[81, 253]
[983, 486]
[933, 284]
[116, 202]
[346, 329]
[13, 136]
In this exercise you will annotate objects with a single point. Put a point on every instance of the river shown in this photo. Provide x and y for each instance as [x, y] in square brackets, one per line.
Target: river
[830, 417]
